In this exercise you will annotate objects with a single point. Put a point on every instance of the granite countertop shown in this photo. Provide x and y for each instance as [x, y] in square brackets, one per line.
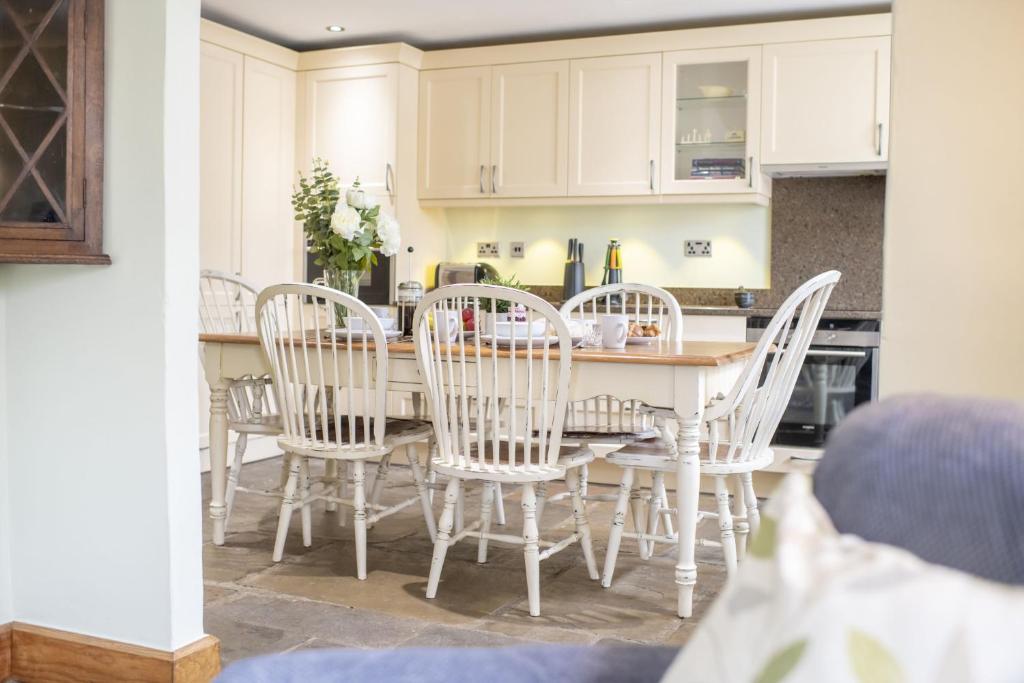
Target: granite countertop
[769, 312]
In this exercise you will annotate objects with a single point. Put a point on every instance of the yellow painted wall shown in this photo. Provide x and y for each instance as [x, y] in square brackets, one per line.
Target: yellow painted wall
[652, 241]
[954, 243]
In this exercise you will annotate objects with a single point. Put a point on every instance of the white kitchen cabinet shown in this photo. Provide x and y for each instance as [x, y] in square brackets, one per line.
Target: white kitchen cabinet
[529, 129]
[351, 122]
[826, 103]
[614, 125]
[221, 75]
[268, 145]
[454, 133]
[711, 121]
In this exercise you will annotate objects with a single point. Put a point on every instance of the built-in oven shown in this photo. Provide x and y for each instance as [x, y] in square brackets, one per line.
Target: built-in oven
[839, 373]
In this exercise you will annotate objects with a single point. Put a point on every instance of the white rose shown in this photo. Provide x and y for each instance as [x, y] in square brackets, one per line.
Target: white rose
[390, 234]
[369, 200]
[346, 221]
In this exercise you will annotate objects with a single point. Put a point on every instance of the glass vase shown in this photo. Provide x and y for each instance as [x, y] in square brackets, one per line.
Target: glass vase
[346, 281]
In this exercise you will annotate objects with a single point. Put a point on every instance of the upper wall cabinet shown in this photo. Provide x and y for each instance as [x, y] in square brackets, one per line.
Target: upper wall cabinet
[614, 125]
[529, 129]
[454, 135]
[711, 121]
[351, 122]
[827, 105]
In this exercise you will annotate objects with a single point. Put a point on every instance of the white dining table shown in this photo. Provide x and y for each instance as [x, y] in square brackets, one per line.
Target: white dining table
[682, 376]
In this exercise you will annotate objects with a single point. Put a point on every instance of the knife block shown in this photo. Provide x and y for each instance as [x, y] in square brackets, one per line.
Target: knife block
[572, 282]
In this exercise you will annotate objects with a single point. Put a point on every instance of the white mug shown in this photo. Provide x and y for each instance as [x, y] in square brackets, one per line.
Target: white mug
[448, 325]
[614, 329]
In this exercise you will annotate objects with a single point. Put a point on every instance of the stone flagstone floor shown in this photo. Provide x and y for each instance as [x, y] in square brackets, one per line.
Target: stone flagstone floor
[312, 599]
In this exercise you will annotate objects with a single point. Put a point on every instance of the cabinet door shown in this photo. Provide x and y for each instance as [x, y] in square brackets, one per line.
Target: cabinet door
[351, 122]
[529, 129]
[269, 231]
[454, 133]
[827, 101]
[614, 115]
[711, 121]
[221, 74]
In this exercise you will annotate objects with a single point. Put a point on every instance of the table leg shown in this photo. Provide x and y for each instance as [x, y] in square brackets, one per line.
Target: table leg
[687, 500]
[218, 456]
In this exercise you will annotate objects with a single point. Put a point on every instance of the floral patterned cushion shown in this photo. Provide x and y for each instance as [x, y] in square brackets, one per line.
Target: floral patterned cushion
[809, 604]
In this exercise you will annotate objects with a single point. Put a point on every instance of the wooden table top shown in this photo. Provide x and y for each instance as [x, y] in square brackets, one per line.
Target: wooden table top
[692, 353]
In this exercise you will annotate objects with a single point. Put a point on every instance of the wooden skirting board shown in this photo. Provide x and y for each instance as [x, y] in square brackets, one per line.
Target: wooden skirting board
[33, 653]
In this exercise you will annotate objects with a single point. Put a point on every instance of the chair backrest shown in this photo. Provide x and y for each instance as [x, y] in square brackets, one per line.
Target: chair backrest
[464, 377]
[640, 303]
[227, 303]
[608, 413]
[330, 392]
[755, 404]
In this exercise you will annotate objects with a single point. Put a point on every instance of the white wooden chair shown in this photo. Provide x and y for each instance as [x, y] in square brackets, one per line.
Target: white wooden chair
[749, 414]
[610, 419]
[531, 375]
[227, 305]
[332, 389]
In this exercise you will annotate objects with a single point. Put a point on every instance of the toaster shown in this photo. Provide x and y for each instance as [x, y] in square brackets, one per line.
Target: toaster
[460, 273]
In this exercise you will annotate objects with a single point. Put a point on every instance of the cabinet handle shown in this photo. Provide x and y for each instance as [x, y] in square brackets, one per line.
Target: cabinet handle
[652, 175]
[880, 139]
[482, 191]
[750, 173]
[494, 173]
[387, 178]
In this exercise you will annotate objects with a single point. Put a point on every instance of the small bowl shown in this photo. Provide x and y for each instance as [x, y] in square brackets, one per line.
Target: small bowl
[744, 299]
[715, 90]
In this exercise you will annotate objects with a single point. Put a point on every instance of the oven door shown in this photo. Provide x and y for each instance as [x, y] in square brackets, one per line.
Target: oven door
[832, 382]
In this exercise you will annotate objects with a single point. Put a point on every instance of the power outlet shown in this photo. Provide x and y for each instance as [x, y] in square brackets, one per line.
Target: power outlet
[487, 250]
[517, 249]
[698, 248]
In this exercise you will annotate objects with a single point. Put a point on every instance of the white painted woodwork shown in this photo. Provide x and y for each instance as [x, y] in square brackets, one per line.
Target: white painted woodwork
[454, 131]
[672, 62]
[221, 76]
[614, 125]
[351, 122]
[268, 225]
[529, 129]
[827, 102]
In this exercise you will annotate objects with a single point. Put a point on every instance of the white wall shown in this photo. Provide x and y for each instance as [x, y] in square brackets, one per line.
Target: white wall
[6, 603]
[101, 364]
[652, 242]
[954, 221]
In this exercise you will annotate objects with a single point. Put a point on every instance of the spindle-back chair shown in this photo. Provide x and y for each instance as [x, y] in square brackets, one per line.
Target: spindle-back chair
[331, 384]
[227, 305]
[749, 413]
[527, 373]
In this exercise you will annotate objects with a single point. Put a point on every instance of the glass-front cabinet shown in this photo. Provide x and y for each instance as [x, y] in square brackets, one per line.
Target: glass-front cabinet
[711, 121]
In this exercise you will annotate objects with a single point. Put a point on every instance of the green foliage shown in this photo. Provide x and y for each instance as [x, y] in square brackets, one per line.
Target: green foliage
[782, 663]
[501, 306]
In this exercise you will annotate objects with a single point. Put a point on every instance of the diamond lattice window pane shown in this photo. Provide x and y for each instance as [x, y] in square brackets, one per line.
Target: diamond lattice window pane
[52, 166]
[53, 44]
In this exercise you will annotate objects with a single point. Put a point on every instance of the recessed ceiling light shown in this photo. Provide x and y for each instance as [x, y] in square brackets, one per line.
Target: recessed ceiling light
[334, 28]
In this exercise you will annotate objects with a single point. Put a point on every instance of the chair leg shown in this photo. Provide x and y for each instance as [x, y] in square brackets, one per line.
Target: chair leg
[618, 521]
[531, 549]
[542, 498]
[359, 515]
[380, 481]
[725, 524]
[342, 491]
[666, 513]
[305, 511]
[486, 505]
[287, 501]
[637, 508]
[739, 514]
[460, 507]
[579, 513]
[499, 504]
[444, 534]
[750, 500]
[421, 488]
[654, 512]
[584, 479]
[331, 475]
[431, 474]
[236, 469]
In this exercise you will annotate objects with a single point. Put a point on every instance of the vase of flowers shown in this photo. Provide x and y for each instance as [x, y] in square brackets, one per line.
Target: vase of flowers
[345, 231]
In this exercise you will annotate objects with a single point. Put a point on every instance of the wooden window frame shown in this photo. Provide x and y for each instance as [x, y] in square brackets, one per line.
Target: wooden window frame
[80, 240]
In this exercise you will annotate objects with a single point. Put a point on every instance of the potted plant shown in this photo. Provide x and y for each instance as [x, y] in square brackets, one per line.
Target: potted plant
[344, 231]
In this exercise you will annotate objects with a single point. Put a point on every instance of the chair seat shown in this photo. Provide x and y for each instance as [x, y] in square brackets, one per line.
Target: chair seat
[608, 434]
[397, 432]
[266, 424]
[658, 454]
[569, 457]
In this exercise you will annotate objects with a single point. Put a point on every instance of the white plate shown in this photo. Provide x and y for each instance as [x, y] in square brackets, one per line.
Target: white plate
[521, 342]
[641, 340]
[359, 335]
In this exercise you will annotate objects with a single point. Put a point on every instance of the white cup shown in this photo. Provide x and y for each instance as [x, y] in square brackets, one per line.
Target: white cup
[447, 325]
[614, 329]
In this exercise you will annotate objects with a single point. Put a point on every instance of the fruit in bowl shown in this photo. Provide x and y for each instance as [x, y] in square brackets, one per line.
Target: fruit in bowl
[640, 330]
[468, 323]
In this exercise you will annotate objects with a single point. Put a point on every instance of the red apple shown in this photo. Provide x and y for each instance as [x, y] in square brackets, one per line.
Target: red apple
[468, 323]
